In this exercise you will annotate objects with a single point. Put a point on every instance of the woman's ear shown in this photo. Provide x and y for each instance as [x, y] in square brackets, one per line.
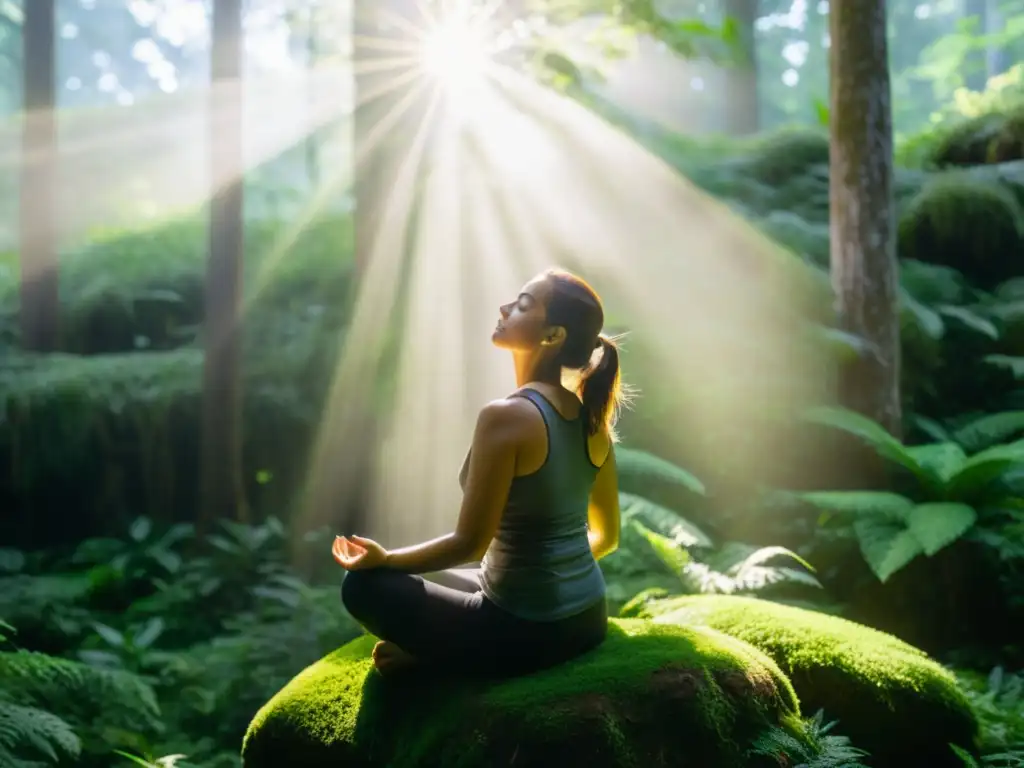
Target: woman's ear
[552, 336]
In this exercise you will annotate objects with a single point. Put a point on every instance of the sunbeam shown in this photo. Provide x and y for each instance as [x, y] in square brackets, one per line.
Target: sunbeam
[513, 178]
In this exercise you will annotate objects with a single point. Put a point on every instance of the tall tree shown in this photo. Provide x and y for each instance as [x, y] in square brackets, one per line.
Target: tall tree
[864, 268]
[742, 103]
[40, 307]
[223, 489]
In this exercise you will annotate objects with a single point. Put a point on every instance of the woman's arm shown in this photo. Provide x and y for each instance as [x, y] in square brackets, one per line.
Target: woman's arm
[500, 429]
[603, 517]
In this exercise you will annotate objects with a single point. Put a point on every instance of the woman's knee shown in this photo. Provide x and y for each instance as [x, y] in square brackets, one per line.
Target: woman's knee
[360, 592]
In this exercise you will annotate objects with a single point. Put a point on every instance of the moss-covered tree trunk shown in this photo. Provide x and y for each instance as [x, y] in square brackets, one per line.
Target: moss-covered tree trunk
[742, 103]
[864, 268]
[223, 491]
[40, 307]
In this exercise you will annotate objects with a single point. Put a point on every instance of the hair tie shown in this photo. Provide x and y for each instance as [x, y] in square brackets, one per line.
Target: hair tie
[600, 342]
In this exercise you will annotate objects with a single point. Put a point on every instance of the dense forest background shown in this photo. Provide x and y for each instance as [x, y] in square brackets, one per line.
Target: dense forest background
[158, 581]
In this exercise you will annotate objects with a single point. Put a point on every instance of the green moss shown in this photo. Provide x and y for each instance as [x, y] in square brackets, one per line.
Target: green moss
[650, 695]
[992, 137]
[776, 157]
[891, 699]
[971, 224]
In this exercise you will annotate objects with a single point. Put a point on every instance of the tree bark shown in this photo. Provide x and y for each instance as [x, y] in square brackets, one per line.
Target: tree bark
[863, 252]
[223, 490]
[978, 61]
[743, 104]
[40, 301]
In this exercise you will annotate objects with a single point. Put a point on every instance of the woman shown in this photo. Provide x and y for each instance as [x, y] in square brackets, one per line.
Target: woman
[540, 505]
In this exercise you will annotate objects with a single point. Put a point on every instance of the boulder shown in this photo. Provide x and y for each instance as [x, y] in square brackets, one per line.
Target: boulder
[968, 222]
[890, 698]
[651, 695]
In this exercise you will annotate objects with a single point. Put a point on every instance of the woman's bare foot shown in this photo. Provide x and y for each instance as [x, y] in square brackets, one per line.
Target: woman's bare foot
[388, 657]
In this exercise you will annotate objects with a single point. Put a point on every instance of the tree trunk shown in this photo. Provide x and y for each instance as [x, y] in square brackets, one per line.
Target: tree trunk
[742, 104]
[864, 268]
[223, 491]
[40, 302]
[977, 62]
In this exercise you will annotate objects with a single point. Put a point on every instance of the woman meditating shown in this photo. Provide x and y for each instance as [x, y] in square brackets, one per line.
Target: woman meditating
[540, 505]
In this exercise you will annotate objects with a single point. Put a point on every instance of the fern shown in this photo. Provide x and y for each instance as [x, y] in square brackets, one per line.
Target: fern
[998, 703]
[662, 520]
[43, 697]
[814, 747]
[893, 530]
[28, 730]
[645, 467]
[745, 574]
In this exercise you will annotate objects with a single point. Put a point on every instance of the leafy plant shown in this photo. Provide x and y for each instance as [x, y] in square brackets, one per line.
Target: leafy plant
[950, 493]
[46, 703]
[998, 702]
[661, 548]
[819, 747]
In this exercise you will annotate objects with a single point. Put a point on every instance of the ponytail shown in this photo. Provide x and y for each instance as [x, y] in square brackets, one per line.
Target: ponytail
[600, 388]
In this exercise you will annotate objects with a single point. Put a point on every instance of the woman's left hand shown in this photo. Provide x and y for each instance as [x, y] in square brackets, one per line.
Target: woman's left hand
[354, 553]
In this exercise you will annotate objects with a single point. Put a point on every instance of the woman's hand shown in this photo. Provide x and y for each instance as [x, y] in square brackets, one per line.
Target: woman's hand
[354, 553]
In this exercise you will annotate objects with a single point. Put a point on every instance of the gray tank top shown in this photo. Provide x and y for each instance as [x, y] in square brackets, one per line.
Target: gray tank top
[539, 565]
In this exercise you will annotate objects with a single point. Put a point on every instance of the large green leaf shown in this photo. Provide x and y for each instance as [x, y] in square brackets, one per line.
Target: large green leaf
[887, 546]
[939, 524]
[646, 466]
[883, 504]
[987, 430]
[662, 520]
[872, 433]
[971, 320]
[943, 460]
[984, 468]
[928, 321]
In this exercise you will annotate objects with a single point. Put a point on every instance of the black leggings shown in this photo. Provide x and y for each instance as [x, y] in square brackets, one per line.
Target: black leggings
[463, 629]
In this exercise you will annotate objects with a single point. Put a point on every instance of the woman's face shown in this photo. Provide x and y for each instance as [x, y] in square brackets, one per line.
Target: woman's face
[523, 323]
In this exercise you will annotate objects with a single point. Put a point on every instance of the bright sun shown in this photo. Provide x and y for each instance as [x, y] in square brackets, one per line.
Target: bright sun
[455, 53]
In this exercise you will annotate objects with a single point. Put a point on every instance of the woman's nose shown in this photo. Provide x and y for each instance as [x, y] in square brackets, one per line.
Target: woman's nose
[504, 309]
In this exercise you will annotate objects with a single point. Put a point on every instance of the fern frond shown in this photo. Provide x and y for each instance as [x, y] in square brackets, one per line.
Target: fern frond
[662, 520]
[814, 747]
[56, 684]
[644, 466]
[674, 557]
[28, 729]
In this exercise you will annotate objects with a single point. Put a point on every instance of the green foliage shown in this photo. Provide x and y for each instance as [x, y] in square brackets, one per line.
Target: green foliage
[819, 747]
[951, 493]
[208, 628]
[658, 546]
[998, 701]
[48, 704]
[974, 225]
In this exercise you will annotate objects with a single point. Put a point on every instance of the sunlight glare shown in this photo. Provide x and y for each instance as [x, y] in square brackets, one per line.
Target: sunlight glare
[455, 55]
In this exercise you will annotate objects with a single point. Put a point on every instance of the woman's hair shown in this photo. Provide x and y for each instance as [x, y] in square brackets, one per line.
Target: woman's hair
[575, 306]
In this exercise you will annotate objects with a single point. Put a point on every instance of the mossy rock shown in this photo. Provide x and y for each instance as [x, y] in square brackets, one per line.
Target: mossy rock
[777, 157]
[651, 695]
[973, 225]
[987, 139]
[890, 698]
